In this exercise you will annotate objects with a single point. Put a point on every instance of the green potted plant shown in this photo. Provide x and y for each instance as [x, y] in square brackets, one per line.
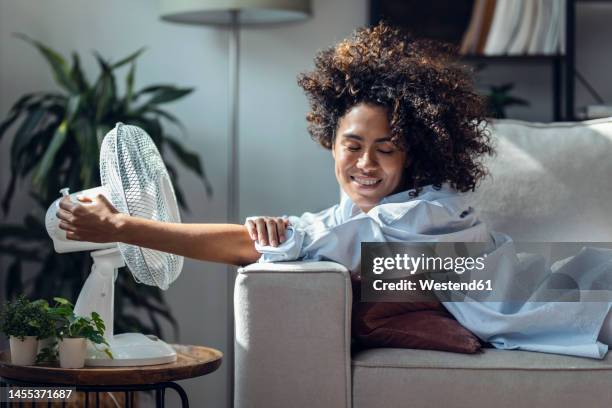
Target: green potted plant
[73, 332]
[25, 322]
[499, 99]
[57, 136]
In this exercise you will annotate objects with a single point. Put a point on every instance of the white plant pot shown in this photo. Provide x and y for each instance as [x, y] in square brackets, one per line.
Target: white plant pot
[23, 352]
[72, 352]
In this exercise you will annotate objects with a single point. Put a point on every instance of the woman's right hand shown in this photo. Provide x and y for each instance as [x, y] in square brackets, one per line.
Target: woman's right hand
[267, 230]
[90, 219]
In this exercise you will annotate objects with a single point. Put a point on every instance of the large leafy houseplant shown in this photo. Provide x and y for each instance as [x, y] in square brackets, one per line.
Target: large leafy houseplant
[56, 144]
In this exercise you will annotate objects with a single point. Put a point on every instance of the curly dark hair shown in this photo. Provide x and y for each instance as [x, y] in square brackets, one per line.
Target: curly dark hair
[434, 112]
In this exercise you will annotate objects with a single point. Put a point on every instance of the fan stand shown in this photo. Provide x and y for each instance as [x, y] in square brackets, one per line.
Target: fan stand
[98, 294]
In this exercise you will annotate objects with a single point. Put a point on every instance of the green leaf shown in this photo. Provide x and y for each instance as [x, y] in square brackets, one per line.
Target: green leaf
[129, 87]
[61, 72]
[168, 116]
[191, 161]
[22, 137]
[15, 112]
[98, 322]
[163, 94]
[153, 128]
[129, 58]
[30, 102]
[62, 301]
[76, 74]
[30, 154]
[152, 89]
[89, 152]
[56, 143]
[72, 108]
[24, 134]
[47, 354]
[105, 89]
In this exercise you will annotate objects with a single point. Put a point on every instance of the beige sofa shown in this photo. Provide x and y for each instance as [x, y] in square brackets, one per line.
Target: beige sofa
[550, 182]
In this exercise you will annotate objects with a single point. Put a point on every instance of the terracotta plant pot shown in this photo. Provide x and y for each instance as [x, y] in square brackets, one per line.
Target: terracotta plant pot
[72, 352]
[23, 352]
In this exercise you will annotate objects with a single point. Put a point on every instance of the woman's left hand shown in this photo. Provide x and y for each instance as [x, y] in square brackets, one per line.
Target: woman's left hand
[267, 230]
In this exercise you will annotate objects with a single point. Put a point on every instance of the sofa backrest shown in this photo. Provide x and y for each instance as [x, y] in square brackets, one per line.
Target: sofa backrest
[549, 182]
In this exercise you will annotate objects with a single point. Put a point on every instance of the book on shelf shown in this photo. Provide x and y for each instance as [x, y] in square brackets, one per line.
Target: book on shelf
[475, 36]
[515, 27]
[470, 38]
[505, 23]
[520, 41]
[485, 28]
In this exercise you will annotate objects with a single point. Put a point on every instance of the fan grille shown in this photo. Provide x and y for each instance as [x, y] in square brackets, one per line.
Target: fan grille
[136, 178]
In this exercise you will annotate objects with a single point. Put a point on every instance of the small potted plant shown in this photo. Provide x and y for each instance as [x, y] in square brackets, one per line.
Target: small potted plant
[25, 322]
[74, 331]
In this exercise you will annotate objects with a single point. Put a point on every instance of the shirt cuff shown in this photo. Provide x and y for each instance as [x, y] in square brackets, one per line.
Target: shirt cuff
[287, 251]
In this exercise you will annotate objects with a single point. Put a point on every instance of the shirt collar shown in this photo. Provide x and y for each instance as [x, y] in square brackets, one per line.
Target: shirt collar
[349, 209]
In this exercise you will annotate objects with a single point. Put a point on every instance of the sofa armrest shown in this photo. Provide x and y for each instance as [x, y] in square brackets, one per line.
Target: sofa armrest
[292, 344]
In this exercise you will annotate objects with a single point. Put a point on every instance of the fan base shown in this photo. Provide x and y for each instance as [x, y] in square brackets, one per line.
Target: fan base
[132, 349]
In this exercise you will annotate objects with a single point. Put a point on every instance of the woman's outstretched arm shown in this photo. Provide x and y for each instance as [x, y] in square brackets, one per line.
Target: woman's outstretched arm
[98, 221]
[224, 243]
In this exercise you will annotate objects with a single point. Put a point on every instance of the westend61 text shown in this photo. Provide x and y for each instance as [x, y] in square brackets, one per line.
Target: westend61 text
[430, 284]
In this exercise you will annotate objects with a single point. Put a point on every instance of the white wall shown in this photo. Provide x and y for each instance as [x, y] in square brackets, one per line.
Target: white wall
[282, 171]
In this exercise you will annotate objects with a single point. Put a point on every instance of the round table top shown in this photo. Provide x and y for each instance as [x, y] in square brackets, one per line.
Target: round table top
[192, 361]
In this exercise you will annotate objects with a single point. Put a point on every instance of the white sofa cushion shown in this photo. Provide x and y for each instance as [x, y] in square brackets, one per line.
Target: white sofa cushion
[396, 378]
[549, 182]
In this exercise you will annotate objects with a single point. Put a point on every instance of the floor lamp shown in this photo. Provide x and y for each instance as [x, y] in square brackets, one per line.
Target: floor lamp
[233, 14]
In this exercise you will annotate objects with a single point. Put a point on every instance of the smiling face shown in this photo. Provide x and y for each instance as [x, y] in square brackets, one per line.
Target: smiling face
[369, 166]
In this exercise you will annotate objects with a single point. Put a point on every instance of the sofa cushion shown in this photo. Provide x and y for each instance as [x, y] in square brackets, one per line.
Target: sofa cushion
[415, 325]
[549, 182]
[495, 378]
[411, 325]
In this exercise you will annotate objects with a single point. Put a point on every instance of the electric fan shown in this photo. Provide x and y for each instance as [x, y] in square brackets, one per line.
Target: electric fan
[136, 182]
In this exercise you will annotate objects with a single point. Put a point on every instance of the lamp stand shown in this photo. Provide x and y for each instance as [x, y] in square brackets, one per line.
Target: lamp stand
[233, 180]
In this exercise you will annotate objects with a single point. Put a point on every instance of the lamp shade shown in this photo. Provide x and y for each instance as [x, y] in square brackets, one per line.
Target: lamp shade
[217, 12]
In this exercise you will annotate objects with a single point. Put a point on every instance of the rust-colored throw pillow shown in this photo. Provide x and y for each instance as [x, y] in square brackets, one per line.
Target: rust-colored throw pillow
[416, 325]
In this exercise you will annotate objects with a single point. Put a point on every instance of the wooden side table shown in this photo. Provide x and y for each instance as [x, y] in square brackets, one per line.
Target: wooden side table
[193, 361]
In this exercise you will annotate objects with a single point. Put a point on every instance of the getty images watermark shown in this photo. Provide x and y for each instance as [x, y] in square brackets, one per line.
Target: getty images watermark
[468, 271]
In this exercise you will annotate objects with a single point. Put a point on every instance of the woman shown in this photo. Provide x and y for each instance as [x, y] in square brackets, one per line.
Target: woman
[392, 136]
[406, 131]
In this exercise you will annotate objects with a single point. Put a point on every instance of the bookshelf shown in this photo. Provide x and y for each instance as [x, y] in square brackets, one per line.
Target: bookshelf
[555, 63]
[563, 79]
